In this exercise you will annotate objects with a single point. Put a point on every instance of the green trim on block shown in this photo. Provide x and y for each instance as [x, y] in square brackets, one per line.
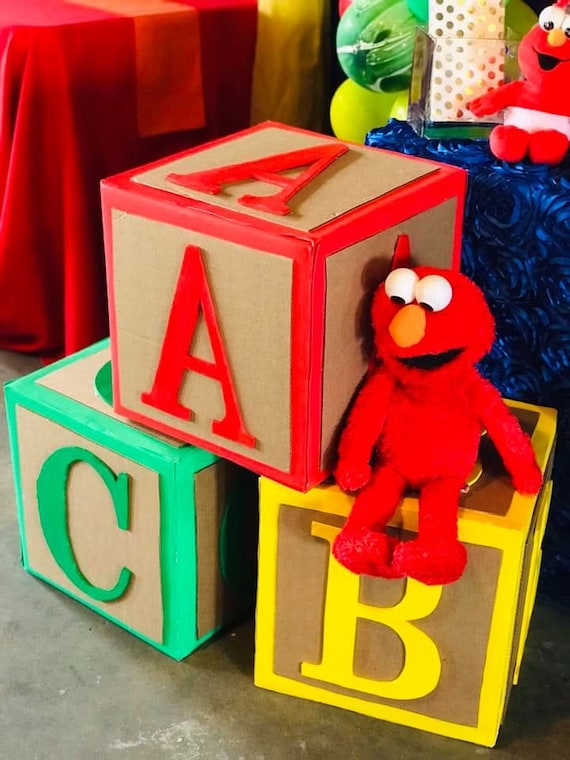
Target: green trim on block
[102, 613]
[187, 556]
[10, 404]
[171, 541]
[112, 433]
[175, 465]
[33, 377]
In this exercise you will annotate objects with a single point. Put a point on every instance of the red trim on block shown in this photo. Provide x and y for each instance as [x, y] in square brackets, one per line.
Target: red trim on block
[265, 169]
[290, 479]
[461, 181]
[109, 264]
[402, 203]
[191, 296]
[314, 473]
[232, 226]
[131, 174]
[301, 319]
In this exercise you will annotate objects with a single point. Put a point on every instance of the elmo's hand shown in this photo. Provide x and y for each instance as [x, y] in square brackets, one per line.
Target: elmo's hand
[528, 481]
[495, 100]
[484, 105]
[352, 476]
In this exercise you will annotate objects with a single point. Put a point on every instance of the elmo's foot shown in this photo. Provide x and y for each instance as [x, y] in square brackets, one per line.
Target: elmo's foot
[366, 552]
[548, 147]
[431, 562]
[509, 143]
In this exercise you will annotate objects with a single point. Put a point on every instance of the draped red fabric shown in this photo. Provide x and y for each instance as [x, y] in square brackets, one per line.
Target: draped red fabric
[68, 118]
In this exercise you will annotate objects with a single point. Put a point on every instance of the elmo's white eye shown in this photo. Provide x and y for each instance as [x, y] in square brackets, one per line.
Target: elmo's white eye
[551, 18]
[400, 285]
[433, 292]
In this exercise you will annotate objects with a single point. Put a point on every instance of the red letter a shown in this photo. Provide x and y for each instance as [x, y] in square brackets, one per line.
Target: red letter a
[193, 293]
[265, 170]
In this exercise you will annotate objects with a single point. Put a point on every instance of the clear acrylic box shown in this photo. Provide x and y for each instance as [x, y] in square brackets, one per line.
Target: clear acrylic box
[448, 72]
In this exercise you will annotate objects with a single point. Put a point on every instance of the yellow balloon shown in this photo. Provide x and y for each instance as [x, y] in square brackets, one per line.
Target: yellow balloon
[400, 106]
[355, 110]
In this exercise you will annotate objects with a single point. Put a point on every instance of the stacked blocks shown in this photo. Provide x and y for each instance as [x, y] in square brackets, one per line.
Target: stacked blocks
[439, 658]
[240, 280]
[276, 237]
[515, 247]
[139, 527]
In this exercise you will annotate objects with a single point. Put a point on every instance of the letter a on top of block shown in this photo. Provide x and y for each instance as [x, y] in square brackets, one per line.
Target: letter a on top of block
[239, 277]
[140, 528]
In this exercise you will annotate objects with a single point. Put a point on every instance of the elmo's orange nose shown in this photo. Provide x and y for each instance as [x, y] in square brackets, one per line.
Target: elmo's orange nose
[556, 37]
[408, 326]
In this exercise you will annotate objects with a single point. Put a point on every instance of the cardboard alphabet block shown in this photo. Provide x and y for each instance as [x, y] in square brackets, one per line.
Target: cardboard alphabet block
[239, 279]
[439, 658]
[157, 536]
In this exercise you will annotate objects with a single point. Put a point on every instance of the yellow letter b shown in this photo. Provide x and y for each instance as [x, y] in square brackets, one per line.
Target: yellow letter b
[421, 671]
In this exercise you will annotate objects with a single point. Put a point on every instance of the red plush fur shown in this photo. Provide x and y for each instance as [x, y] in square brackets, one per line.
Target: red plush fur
[535, 109]
[417, 423]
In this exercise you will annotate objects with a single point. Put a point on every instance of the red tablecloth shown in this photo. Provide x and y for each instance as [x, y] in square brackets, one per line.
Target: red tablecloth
[70, 114]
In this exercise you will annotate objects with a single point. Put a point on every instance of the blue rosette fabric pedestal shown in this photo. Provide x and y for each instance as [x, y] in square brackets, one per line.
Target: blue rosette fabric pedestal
[516, 247]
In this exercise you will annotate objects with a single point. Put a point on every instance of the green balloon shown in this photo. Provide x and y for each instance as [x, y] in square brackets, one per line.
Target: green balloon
[519, 19]
[375, 42]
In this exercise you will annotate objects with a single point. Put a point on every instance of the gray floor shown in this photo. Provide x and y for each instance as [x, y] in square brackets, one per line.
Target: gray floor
[73, 686]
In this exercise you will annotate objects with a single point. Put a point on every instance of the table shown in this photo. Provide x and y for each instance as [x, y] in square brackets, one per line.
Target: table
[90, 88]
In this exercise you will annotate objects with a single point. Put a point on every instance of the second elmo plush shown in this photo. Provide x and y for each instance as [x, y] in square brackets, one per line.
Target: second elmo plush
[417, 423]
[537, 116]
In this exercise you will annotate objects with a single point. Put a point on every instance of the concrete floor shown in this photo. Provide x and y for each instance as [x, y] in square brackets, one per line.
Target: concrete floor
[75, 687]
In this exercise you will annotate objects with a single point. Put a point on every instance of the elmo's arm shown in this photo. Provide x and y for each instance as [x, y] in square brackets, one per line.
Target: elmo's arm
[495, 100]
[511, 441]
[362, 430]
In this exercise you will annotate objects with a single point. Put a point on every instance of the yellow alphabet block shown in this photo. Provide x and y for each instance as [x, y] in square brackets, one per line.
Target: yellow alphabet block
[439, 658]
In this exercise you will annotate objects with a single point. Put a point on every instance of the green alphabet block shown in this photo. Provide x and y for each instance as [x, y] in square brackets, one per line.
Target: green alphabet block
[155, 535]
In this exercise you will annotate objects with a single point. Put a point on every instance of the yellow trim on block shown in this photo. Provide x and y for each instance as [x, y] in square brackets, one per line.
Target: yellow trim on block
[534, 571]
[508, 533]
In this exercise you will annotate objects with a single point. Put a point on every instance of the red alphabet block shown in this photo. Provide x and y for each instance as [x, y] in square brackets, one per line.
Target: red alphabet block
[240, 274]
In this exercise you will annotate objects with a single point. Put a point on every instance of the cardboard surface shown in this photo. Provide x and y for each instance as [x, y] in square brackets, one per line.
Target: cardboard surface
[353, 179]
[493, 492]
[286, 290]
[212, 488]
[76, 381]
[463, 615]
[101, 548]
[352, 275]
[439, 658]
[252, 297]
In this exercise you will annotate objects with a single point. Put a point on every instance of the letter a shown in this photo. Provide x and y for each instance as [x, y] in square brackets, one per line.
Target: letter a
[265, 170]
[192, 295]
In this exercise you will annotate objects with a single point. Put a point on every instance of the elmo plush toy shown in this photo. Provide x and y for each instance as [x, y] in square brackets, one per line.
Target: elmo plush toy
[537, 116]
[419, 417]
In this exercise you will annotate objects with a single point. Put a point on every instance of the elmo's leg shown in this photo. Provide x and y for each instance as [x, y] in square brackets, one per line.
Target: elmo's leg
[435, 556]
[508, 143]
[547, 147]
[362, 546]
